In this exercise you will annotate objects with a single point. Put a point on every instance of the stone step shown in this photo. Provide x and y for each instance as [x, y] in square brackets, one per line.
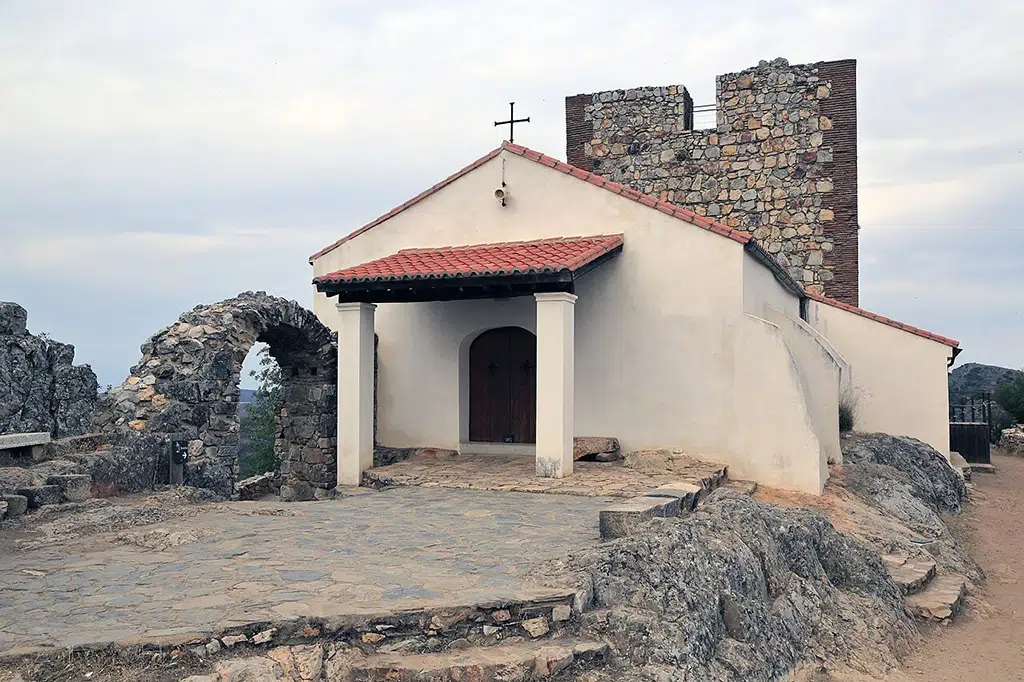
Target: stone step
[978, 468]
[41, 495]
[512, 661]
[672, 499]
[940, 600]
[910, 575]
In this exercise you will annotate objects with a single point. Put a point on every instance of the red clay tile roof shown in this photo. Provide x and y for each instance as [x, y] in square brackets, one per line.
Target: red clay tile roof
[614, 187]
[952, 343]
[507, 258]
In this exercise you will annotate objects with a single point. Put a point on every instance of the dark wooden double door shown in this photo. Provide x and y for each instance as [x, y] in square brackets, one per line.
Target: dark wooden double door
[503, 386]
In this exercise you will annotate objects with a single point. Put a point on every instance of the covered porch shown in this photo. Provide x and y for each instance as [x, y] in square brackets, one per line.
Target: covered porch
[538, 406]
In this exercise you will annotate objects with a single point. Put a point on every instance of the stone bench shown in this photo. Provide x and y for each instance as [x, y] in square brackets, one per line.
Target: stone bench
[17, 441]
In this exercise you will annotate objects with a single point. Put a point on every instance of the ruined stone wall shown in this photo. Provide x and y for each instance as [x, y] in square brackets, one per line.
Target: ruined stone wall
[185, 387]
[781, 163]
[40, 387]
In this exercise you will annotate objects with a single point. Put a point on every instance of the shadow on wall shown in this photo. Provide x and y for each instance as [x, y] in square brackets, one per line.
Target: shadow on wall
[185, 387]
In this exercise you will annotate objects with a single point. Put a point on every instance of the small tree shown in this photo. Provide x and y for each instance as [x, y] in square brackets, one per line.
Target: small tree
[260, 420]
[1010, 396]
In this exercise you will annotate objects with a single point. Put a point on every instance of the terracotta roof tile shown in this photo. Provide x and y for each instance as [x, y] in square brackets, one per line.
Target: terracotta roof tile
[931, 336]
[645, 199]
[543, 255]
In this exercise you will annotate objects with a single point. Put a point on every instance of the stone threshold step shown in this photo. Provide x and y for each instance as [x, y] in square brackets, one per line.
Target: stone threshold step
[910, 575]
[942, 599]
[528, 660]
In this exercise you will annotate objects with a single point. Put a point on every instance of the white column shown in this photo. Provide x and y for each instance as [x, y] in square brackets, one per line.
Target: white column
[355, 391]
[555, 383]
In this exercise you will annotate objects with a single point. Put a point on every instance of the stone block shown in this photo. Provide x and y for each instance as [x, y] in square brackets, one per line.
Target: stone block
[296, 491]
[73, 487]
[23, 440]
[687, 493]
[3, 510]
[255, 487]
[624, 518]
[16, 505]
[595, 445]
[41, 495]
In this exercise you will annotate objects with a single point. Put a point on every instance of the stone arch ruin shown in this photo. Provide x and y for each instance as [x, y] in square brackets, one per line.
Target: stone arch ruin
[185, 387]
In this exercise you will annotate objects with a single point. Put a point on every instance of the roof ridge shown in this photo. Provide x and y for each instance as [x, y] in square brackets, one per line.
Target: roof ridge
[639, 197]
[917, 331]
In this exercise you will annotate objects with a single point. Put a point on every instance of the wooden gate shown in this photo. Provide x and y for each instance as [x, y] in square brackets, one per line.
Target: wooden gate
[971, 431]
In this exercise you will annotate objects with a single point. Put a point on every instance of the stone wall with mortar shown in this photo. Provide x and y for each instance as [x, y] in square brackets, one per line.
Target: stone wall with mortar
[781, 163]
[185, 386]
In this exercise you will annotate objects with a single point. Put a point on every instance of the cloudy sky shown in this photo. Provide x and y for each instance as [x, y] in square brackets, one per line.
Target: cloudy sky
[159, 154]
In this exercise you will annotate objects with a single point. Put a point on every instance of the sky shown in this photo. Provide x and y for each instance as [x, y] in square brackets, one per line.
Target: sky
[158, 155]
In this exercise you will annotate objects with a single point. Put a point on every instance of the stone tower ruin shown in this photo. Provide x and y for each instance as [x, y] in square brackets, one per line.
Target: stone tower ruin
[781, 162]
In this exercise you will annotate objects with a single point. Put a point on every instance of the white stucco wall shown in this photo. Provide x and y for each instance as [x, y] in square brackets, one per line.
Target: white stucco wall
[820, 369]
[899, 378]
[665, 356]
[760, 289]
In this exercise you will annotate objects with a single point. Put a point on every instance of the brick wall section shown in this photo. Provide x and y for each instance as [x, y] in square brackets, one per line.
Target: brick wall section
[841, 108]
[781, 163]
[578, 131]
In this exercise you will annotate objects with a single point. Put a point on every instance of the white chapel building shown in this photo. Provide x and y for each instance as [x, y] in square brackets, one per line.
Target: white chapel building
[523, 302]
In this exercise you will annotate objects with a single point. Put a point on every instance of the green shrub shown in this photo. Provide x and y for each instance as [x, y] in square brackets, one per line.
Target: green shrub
[1010, 396]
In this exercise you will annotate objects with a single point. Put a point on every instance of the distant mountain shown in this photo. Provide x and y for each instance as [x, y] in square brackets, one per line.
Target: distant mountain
[973, 379]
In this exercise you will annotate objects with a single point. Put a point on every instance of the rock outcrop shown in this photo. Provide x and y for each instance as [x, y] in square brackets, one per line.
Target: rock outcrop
[741, 590]
[40, 387]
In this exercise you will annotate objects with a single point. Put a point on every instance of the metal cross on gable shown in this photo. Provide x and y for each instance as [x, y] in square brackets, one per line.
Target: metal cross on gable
[512, 121]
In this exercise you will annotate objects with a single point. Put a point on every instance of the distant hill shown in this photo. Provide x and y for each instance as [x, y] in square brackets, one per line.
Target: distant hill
[973, 379]
[244, 398]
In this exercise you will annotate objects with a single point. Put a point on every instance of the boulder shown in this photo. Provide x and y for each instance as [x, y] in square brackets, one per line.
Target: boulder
[16, 504]
[933, 478]
[73, 487]
[41, 495]
[255, 487]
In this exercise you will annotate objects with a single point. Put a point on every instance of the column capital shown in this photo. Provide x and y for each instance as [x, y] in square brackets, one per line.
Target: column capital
[354, 305]
[556, 296]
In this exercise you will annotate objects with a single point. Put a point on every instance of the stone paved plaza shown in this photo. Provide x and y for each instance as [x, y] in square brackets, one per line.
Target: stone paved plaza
[518, 474]
[236, 563]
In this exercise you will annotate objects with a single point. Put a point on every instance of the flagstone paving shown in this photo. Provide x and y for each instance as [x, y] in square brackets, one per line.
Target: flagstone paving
[236, 563]
[518, 474]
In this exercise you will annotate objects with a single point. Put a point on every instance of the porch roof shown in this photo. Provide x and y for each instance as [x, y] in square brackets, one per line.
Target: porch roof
[473, 271]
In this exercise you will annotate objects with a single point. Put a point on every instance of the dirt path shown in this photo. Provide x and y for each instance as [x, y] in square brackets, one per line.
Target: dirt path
[986, 644]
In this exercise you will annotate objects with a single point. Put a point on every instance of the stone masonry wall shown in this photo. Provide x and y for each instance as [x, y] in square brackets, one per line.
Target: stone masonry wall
[781, 163]
[40, 387]
[185, 387]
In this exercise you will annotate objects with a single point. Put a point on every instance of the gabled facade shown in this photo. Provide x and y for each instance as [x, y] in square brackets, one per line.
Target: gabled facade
[644, 322]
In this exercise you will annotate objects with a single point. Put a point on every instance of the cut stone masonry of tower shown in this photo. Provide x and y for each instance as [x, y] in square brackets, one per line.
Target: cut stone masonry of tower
[781, 163]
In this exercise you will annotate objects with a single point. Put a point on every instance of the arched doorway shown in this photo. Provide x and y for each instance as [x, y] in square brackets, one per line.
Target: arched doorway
[503, 386]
